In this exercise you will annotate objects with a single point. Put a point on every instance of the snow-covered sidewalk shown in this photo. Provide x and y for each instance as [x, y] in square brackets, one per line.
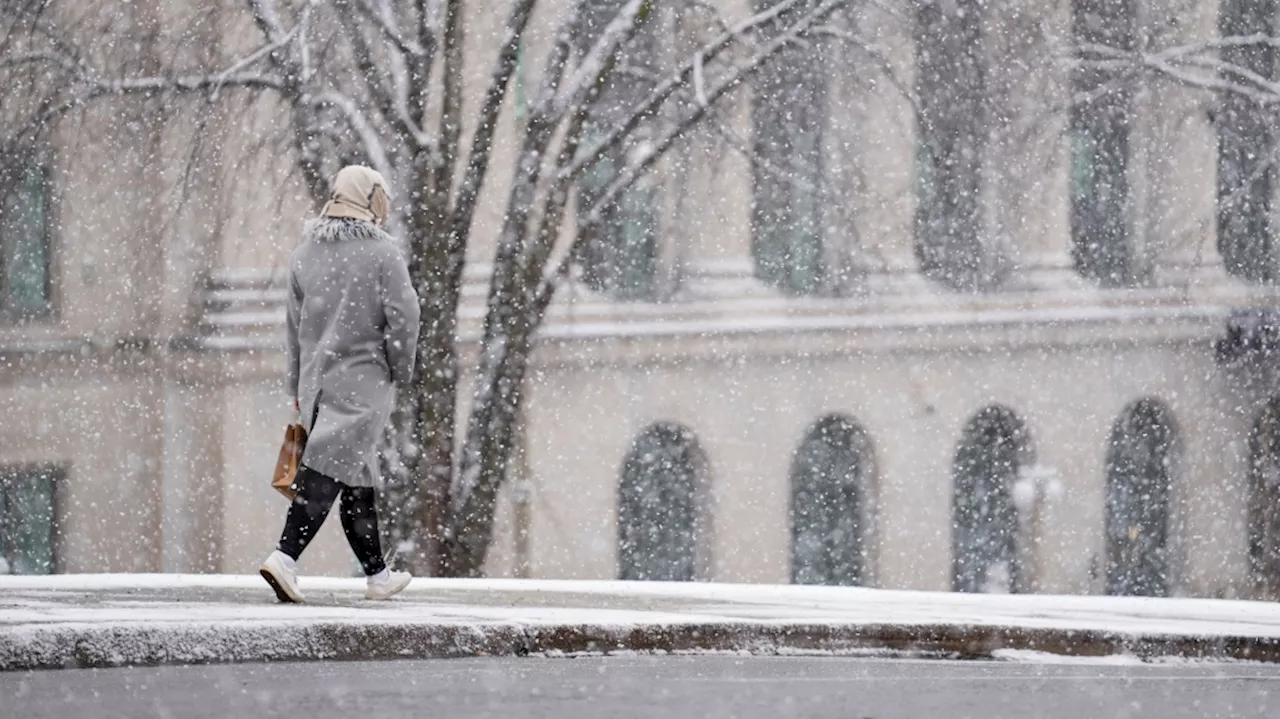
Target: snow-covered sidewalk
[112, 620]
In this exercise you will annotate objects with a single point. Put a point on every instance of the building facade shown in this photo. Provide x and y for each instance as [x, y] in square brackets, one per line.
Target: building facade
[928, 306]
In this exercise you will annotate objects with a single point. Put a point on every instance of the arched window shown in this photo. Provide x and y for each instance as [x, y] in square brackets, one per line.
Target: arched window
[951, 85]
[1100, 125]
[788, 113]
[621, 256]
[1140, 463]
[1246, 148]
[993, 450]
[660, 506]
[1264, 503]
[829, 522]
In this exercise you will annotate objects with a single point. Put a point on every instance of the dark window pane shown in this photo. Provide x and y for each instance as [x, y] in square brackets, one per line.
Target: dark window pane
[622, 251]
[828, 484]
[1101, 212]
[1264, 499]
[950, 82]
[788, 113]
[658, 510]
[5, 566]
[621, 257]
[1139, 462]
[24, 244]
[984, 518]
[1246, 149]
[28, 517]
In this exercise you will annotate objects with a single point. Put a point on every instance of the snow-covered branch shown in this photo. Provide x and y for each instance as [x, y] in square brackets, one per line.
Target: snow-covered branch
[280, 41]
[734, 79]
[628, 177]
[185, 83]
[679, 80]
[369, 136]
[593, 64]
[553, 73]
[39, 56]
[374, 82]
[1197, 65]
[379, 12]
[743, 147]
[267, 18]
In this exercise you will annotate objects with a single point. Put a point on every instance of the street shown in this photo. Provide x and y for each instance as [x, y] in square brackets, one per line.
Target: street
[693, 687]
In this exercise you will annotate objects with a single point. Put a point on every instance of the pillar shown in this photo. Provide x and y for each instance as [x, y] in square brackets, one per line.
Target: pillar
[1028, 166]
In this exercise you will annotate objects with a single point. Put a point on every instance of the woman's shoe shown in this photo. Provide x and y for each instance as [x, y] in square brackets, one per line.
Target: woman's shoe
[282, 578]
[389, 587]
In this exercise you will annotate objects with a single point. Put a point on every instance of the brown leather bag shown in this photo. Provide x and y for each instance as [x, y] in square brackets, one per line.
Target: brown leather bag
[295, 440]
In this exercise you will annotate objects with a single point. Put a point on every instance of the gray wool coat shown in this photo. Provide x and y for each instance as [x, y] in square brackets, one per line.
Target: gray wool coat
[352, 336]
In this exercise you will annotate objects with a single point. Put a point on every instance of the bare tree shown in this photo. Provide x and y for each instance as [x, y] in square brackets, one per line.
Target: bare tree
[383, 81]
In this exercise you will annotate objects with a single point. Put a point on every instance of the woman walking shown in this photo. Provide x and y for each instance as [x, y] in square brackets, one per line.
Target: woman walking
[352, 335]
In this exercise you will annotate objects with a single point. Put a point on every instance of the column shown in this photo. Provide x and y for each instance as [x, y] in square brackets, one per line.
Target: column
[1175, 154]
[710, 203]
[1026, 188]
[883, 119]
[709, 197]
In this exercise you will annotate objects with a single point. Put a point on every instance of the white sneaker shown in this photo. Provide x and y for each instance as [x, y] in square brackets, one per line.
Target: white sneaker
[282, 578]
[389, 587]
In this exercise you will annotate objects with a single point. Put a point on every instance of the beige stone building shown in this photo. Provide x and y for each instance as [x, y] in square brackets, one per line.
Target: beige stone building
[899, 318]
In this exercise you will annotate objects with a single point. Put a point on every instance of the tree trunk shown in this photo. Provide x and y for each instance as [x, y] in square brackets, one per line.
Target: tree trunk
[436, 387]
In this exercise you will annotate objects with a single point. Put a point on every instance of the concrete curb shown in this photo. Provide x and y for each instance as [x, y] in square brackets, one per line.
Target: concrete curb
[86, 645]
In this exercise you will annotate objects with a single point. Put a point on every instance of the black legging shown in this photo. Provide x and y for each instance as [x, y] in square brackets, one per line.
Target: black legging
[316, 494]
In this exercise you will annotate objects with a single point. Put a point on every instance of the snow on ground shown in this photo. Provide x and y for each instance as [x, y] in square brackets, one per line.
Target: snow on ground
[1028, 656]
[149, 599]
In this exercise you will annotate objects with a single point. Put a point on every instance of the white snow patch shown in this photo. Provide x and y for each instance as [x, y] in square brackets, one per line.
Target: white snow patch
[1028, 656]
[27, 599]
[165, 618]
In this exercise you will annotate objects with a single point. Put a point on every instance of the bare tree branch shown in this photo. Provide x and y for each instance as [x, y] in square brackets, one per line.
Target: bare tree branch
[369, 136]
[1194, 65]
[380, 14]
[371, 74]
[39, 56]
[593, 65]
[422, 65]
[267, 17]
[547, 289]
[679, 80]
[272, 45]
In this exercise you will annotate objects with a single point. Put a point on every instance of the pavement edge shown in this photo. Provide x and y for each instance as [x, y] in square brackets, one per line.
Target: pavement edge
[85, 646]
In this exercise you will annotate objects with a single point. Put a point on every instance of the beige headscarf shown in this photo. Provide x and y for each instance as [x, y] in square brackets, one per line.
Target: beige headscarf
[359, 193]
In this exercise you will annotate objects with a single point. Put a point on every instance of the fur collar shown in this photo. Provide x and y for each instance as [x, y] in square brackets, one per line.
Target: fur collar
[329, 229]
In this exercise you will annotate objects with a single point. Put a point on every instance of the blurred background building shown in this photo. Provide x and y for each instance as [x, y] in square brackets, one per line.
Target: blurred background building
[959, 313]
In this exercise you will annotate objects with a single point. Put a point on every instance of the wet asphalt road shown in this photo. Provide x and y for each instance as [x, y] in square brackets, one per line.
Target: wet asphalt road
[666, 687]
